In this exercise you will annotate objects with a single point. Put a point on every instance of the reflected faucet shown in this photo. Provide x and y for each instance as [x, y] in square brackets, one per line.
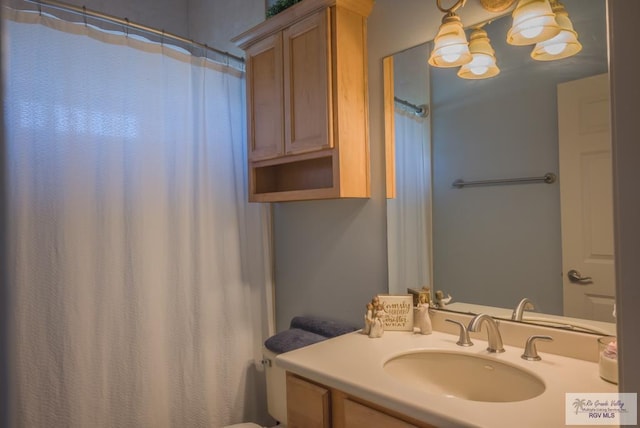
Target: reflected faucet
[493, 334]
[522, 306]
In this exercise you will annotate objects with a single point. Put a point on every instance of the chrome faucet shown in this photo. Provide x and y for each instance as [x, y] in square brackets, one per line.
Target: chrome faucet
[493, 334]
[522, 306]
[530, 351]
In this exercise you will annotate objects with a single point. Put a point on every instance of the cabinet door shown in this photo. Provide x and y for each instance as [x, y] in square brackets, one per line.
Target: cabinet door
[265, 131]
[307, 404]
[350, 412]
[307, 85]
[357, 415]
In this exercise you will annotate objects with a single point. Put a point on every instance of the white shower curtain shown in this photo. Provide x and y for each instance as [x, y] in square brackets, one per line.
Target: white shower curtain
[140, 277]
[408, 215]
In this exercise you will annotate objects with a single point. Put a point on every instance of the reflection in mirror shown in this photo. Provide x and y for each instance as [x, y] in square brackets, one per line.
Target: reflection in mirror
[495, 245]
[409, 213]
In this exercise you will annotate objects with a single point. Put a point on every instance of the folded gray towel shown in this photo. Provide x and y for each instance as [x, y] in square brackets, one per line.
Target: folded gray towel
[323, 327]
[291, 339]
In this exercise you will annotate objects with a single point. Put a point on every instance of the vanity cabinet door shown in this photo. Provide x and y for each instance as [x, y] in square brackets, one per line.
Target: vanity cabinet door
[311, 405]
[349, 412]
[357, 415]
[307, 404]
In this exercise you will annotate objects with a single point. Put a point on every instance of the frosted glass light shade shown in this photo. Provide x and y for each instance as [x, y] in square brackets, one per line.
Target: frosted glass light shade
[564, 45]
[451, 48]
[533, 22]
[483, 62]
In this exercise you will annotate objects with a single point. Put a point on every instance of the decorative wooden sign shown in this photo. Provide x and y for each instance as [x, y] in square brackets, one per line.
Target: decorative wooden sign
[398, 311]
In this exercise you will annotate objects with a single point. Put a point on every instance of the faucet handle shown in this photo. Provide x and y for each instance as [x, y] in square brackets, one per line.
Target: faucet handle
[530, 351]
[464, 339]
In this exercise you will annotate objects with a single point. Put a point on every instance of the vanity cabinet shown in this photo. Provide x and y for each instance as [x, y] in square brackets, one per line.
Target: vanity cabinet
[307, 104]
[311, 405]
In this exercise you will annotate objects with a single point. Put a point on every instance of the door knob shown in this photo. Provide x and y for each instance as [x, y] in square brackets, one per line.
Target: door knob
[575, 276]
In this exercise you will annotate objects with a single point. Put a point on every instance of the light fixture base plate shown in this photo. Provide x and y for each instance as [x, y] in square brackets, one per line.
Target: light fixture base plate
[497, 5]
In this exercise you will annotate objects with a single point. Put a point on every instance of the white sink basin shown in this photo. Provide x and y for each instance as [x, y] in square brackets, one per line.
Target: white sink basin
[466, 376]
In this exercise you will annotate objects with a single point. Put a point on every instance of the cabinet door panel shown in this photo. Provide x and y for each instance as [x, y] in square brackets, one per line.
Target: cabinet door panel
[307, 404]
[357, 415]
[265, 99]
[307, 85]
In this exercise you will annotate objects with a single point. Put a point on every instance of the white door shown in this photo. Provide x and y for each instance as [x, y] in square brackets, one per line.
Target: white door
[586, 198]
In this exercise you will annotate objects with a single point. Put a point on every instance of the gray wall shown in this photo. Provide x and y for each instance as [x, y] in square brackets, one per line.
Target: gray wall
[331, 256]
[211, 22]
[217, 22]
[495, 245]
[170, 15]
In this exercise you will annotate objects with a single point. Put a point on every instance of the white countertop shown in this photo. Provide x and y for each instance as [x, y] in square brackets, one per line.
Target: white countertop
[354, 363]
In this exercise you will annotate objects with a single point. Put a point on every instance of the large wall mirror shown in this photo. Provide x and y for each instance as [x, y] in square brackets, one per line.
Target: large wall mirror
[500, 237]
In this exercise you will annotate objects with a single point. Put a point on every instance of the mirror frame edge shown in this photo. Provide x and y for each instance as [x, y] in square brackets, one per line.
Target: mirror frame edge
[389, 127]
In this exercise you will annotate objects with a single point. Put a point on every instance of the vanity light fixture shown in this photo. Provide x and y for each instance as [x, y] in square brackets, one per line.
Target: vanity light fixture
[565, 44]
[483, 62]
[544, 23]
[451, 48]
[533, 22]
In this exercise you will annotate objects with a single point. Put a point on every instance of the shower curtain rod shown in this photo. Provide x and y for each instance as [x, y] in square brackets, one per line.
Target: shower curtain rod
[128, 24]
[421, 110]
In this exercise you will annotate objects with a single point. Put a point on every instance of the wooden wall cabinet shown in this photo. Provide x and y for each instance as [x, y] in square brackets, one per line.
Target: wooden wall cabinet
[307, 103]
[311, 405]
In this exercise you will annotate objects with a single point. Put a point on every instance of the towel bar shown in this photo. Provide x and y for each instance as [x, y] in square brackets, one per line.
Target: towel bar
[547, 178]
